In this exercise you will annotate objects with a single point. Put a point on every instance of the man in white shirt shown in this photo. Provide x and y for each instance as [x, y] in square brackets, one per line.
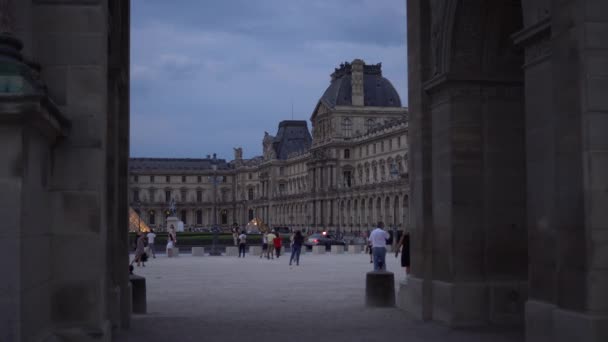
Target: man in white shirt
[377, 239]
[151, 237]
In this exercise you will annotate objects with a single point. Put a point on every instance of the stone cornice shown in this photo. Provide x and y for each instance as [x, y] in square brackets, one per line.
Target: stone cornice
[36, 111]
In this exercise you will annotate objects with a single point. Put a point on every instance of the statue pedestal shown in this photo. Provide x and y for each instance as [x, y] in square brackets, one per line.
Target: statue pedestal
[172, 221]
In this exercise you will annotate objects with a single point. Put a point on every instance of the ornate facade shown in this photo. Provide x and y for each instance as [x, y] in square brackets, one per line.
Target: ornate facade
[349, 174]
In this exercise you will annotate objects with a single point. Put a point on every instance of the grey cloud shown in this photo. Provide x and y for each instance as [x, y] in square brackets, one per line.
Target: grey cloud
[214, 75]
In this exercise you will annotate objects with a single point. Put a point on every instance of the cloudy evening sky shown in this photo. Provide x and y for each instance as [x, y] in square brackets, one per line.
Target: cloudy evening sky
[207, 76]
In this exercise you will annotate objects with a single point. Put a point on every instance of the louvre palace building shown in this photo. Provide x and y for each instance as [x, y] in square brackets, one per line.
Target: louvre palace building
[348, 174]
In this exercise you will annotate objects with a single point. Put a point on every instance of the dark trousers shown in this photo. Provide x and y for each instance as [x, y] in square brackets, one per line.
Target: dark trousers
[242, 249]
[278, 250]
[295, 254]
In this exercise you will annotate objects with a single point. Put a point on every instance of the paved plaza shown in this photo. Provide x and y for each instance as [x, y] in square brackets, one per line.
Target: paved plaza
[252, 299]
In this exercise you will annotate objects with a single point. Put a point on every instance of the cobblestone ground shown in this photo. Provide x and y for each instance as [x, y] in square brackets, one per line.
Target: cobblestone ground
[252, 299]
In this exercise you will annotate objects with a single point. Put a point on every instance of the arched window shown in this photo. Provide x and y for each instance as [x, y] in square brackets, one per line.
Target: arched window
[152, 217]
[199, 217]
[370, 208]
[387, 212]
[250, 194]
[347, 127]
[378, 209]
[224, 216]
[183, 216]
[250, 214]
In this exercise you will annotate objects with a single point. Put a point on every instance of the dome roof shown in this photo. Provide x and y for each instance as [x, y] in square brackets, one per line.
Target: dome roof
[378, 91]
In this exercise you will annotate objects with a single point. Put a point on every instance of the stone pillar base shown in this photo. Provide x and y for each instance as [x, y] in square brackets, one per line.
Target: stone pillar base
[409, 298]
[380, 289]
[539, 321]
[232, 251]
[337, 249]
[460, 304]
[545, 322]
[470, 304]
[138, 284]
[84, 334]
[318, 249]
[198, 251]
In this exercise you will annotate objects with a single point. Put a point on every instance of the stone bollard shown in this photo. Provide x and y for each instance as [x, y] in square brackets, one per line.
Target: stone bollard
[198, 251]
[318, 249]
[232, 251]
[255, 250]
[138, 286]
[380, 289]
[172, 252]
[355, 249]
[337, 249]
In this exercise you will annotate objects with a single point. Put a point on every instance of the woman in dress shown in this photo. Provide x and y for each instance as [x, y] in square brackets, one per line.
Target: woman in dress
[264, 245]
[140, 250]
[404, 245]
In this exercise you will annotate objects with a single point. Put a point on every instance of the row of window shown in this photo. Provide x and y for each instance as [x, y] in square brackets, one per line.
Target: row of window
[347, 126]
[184, 216]
[199, 179]
[199, 195]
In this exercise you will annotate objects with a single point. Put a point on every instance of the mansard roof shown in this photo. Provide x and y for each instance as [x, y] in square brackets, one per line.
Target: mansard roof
[292, 136]
[378, 91]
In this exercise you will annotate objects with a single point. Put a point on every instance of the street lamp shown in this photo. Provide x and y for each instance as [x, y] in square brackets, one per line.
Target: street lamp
[215, 180]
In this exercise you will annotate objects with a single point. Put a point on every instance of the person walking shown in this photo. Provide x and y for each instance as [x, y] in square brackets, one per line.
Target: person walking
[270, 237]
[173, 235]
[368, 247]
[151, 236]
[378, 238]
[235, 235]
[296, 248]
[140, 250]
[404, 244]
[242, 243]
[264, 245]
[277, 245]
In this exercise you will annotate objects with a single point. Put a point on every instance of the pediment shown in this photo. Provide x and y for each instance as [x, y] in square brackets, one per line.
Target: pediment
[320, 109]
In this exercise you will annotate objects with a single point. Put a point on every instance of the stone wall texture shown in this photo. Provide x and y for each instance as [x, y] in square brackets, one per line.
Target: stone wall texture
[508, 165]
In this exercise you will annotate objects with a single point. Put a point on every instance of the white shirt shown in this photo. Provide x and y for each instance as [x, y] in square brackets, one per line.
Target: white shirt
[378, 237]
[151, 237]
[242, 238]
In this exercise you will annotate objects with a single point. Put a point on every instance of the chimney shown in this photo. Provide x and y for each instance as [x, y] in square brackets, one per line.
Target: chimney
[357, 82]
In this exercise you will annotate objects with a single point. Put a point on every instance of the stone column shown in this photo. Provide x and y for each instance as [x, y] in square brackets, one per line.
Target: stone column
[579, 51]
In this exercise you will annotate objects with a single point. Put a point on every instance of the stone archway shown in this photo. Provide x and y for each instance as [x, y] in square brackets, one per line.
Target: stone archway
[473, 116]
[503, 189]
